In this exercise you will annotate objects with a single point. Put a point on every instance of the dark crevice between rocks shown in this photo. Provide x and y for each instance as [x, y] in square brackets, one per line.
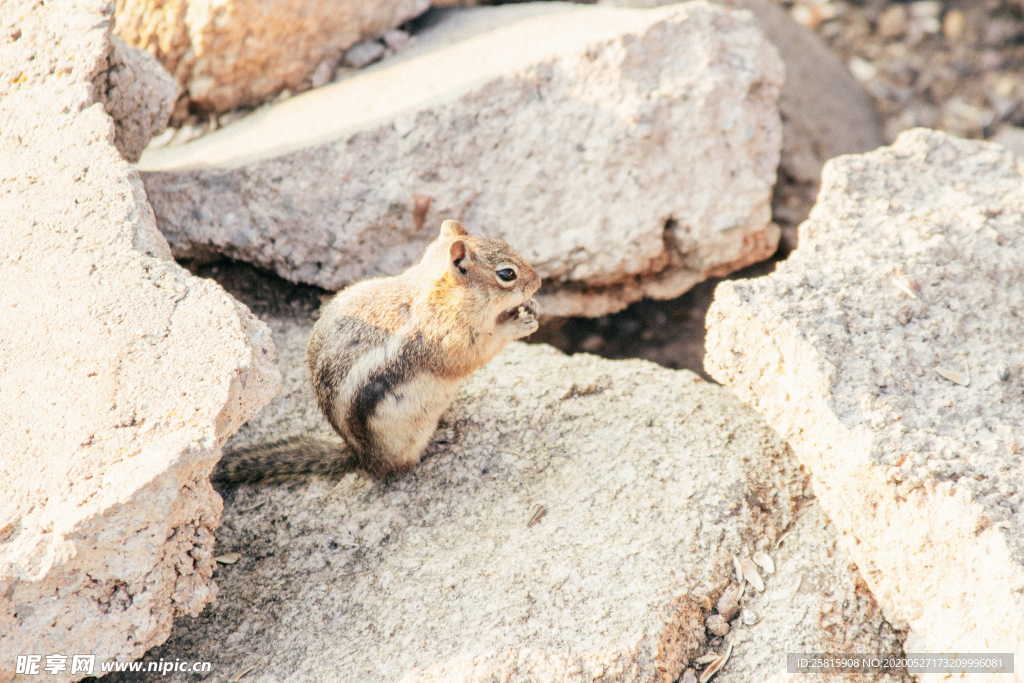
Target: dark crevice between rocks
[669, 333]
[262, 291]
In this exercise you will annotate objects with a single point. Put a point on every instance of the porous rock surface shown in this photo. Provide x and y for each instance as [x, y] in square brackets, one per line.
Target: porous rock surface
[236, 53]
[887, 351]
[574, 519]
[139, 95]
[815, 601]
[122, 373]
[825, 111]
[624, 153]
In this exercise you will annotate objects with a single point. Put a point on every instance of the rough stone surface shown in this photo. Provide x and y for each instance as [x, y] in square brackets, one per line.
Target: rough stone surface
[825, 111]
[235, 53]
[815, 601]
[139, 95]
[1011, 137]
[647, 480]
[122, 373]
[625, 153]
[887, 351]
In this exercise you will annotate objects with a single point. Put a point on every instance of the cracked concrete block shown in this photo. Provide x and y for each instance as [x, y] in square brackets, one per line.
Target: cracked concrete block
[232, 54]
[624, 153]
[887, 351]
[122, 374]
[574, 518]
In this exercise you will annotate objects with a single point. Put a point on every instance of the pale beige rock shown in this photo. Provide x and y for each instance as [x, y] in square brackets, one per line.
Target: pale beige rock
[139, 95]
[624, 153]
[641, 482]
[122, 373]
[236, 53]
[908, 275]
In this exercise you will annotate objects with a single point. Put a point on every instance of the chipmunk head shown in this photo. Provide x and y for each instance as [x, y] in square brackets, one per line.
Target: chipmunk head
[489, 268]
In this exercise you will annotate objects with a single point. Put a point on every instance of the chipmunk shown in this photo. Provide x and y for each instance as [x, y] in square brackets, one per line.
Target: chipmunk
[387, 355]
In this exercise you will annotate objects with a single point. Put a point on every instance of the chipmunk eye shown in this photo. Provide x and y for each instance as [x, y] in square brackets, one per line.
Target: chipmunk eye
[507, 274]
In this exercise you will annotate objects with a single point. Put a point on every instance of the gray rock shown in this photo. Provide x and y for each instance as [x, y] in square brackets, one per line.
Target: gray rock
[825, 111]
[139, 95]
[887, 351]
[364, 53]
[624, 153]
[816, 601]
[122, 374]
[571, 520]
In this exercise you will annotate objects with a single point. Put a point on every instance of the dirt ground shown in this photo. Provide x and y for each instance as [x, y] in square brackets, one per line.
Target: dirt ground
[957, 65]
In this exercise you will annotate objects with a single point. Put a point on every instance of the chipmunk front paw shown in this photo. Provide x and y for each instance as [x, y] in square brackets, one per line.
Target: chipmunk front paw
[523, 320]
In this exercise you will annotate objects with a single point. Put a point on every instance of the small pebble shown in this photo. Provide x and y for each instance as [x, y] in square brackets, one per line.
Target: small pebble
[751, 574]
[926, 9]
[893, 22]
[805, 15]
[396, 39]
[1005, 86]
[323, 73]
[592, 343]
[717, 625]
[765, 562]
[904, 315]
[363, 54]
[953, 25]
[862, 70]
[728, 604]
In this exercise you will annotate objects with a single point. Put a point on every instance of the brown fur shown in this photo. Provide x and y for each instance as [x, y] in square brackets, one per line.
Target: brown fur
[386, 355]
[283, 460]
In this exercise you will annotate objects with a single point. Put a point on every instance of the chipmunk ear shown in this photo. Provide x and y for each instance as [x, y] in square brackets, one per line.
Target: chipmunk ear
[457, 254]
[452, 228]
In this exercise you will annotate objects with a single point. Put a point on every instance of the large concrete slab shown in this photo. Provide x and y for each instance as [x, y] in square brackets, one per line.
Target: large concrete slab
[887, 351]
[122, 374]
[624, 153]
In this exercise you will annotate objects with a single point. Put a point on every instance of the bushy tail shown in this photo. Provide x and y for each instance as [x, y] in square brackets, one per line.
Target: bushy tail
[289, 458]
